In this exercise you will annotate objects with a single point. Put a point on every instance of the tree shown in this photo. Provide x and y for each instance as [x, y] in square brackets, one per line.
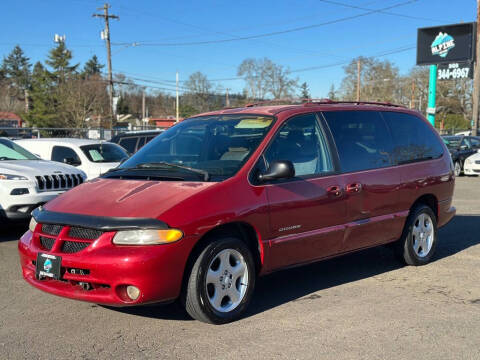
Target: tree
[92, 67]
[253, 72]
[304, 91]
[59, 60]
[42, 112]
[199, 91]
[16, 69]
[332, 95]
[378, 80]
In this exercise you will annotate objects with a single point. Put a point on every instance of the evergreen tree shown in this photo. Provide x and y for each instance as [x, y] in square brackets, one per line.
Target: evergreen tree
[92, 67]
[16, 70]
[305, 91]
[42, 112]
[332, 95]
[59, 60]
[122, 106]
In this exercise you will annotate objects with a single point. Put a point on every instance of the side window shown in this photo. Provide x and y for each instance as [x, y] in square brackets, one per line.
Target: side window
[466, 143]
[149, 138]
[413, 139]
[302, 141]
[129, 143]
[141, 142]
[362, 139]
[65, 155]
[475, 142]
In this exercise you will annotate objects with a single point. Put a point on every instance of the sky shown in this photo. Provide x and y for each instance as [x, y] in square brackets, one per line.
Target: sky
[313, 38]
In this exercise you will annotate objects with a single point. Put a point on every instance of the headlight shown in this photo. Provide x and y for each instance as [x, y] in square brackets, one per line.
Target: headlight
[147, 237]
[32, 225]
[12, 177]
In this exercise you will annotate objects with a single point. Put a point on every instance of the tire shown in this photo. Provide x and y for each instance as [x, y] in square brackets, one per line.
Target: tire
[458, 168]
[217, 291]
[414, 248]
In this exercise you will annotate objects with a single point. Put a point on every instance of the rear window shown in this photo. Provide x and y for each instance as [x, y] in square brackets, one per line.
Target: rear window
[413, 139]
[362, 139]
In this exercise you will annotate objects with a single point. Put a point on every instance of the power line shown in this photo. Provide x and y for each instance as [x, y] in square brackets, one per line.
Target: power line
[381, 11]
[280, 32]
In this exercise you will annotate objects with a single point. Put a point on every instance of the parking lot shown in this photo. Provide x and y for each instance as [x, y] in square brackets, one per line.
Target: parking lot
[365, 305]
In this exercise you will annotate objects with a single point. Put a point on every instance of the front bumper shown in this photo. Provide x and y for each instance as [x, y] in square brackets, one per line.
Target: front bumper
[471, 169]
[156, 270]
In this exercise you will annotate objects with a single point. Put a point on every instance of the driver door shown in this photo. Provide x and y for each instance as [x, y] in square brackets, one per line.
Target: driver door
[307, 212]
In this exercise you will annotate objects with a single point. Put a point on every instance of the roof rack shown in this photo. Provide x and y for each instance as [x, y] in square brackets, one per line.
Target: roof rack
[275, 101]
[310, 102]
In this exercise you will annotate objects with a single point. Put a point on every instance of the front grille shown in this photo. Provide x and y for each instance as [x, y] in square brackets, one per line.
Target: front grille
[74, 246]
[58, 182]
[51, 229]
[84, 233]
[47, 243]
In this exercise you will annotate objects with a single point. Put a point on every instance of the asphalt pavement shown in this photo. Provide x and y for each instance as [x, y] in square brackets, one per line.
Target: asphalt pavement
[361, 306]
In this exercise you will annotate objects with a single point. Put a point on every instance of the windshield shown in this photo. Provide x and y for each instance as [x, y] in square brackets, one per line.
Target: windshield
[104, 152]
[452, 142]
[218, 145]
[12, 151]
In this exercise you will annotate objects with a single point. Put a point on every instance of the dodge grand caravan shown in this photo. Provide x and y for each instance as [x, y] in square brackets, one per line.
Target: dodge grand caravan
[223, 197]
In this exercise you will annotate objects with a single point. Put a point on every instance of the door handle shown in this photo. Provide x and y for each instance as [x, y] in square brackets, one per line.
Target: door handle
[354, 188]
[334, 191]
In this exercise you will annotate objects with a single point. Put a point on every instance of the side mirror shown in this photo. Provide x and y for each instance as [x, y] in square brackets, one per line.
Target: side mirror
[71, 161]
[279, 169]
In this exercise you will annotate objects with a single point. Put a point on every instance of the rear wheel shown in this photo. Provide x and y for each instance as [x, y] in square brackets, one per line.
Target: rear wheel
[221, 282]
[419, 238]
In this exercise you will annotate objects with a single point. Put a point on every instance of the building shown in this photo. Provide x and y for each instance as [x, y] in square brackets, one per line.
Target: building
[163, 122]
[10, 120]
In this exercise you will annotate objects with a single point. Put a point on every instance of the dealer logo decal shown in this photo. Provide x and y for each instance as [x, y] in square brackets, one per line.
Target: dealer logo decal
[442, 44]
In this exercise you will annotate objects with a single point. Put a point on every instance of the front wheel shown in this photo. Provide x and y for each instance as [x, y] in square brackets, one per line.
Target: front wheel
[458, 168]
[419, 238]
[221, 282]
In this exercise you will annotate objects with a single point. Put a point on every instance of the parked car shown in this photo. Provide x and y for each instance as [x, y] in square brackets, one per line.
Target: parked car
[26, 181]
[207, 206]
[95, 157]
[472, 164]
[460, 148]
[133, 141]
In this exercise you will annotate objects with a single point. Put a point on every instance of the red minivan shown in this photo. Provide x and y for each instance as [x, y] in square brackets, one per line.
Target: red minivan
[221, 198]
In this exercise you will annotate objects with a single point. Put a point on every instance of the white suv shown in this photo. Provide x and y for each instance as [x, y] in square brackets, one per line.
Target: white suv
[27, 181]
[95, 157]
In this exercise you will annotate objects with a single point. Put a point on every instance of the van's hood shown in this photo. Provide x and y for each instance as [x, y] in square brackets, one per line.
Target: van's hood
[125, 198]
[32, 168]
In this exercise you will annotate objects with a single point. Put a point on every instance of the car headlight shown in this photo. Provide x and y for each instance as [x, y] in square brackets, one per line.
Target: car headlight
[12, 177]
[147, 237]
[32, 225]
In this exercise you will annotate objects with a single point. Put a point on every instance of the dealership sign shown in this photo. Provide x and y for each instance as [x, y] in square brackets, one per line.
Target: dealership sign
[455, 71]
[446, 44]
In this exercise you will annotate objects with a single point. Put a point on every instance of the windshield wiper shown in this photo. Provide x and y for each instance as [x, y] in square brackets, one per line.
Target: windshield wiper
[166, 165]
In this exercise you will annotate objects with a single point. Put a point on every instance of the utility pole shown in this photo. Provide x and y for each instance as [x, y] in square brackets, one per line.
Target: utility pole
[412, 101]
[358, 78]
[143, 107]
[476, 78]
[227, 100]
[106, 36]
[176, 103]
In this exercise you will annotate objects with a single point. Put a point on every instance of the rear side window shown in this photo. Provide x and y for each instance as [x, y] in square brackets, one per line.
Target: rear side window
[362, 139]
[129, 143]
[413, 139]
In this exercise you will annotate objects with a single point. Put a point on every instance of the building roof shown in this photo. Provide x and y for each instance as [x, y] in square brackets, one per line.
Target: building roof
[5, 115]
[70, 141]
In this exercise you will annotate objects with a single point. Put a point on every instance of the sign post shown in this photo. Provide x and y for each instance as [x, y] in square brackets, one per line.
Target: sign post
[432, 92]
[446, 45]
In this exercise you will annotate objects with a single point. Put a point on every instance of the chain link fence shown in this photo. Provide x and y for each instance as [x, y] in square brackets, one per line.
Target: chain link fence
[79, 133]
